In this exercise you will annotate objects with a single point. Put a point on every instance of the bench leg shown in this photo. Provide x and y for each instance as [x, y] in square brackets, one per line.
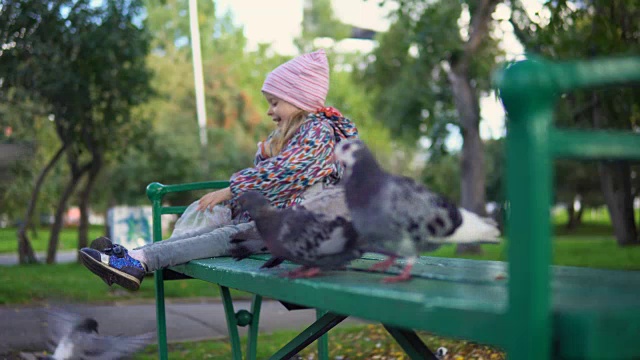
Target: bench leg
[160, 316]
[309, 335]
[232, 324]
[411, 343]
[323, 341]
[252, 340]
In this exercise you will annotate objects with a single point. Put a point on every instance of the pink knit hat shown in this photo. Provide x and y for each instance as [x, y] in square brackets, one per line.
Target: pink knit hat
[303, 81]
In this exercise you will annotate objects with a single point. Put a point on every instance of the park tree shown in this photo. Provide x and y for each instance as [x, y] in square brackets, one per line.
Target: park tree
[86, 63]
[430, 70]
[569, 30]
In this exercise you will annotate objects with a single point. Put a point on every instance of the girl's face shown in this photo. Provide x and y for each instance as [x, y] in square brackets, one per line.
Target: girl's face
[279, 110]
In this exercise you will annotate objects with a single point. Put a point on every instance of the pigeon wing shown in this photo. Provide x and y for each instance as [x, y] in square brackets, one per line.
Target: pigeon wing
[421, 212]
[331, 201]
[60, 323]
[309, 237]
[96, 347]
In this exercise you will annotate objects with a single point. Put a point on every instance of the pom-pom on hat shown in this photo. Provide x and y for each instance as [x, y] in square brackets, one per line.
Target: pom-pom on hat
[302, 81]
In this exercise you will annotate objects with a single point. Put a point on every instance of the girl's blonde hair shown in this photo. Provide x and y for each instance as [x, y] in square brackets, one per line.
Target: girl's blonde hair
[285, 132]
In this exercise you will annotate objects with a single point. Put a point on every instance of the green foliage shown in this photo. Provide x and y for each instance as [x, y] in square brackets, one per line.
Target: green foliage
[320, 21]
[86, 64]
[564, 30]
[407, 69]
[171, 152]
[74, 71]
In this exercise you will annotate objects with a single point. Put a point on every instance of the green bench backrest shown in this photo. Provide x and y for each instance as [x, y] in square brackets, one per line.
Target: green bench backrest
[529, 90]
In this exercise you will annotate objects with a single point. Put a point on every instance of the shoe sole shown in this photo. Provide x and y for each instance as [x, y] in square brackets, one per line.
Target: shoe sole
[109, 274]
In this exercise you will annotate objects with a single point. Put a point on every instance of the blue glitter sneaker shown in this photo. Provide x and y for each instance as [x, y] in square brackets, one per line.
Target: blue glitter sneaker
[114, 266]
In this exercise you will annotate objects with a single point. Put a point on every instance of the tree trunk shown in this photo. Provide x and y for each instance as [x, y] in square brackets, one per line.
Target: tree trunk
[472, 195]
[54, 237]
[83, 228]
[570, 217]
[578, 216]
[26, 255]
[472, 172]
[615, 177]
[466, 99]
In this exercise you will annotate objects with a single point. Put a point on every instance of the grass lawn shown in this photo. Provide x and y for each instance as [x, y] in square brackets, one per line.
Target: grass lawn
[74, 283]
[597, 251]
[353, 342]
[68, 238]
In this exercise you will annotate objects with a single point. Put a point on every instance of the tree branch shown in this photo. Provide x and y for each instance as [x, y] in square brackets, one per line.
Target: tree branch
[479, 26]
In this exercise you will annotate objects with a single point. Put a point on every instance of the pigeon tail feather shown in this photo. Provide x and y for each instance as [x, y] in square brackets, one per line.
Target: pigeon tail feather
[474, 229]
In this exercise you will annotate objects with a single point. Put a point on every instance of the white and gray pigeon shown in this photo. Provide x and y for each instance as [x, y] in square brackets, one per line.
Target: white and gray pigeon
[396, 216]
[315, 241]
[74, 337]
[327, 201]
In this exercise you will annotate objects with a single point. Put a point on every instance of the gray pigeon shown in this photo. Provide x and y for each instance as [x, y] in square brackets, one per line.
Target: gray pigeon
[315, 241]
[396, 216]
[74, 337]
[329, 201]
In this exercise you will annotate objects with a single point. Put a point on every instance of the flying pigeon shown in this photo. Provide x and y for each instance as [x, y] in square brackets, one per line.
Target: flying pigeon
[330, 201]
[315, 241]
[74, 337]
[396, 216]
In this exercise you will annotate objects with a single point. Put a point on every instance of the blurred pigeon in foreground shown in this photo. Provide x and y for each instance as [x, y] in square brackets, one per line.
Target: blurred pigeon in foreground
[75, 337]
[316, 241]
[329, 201]
[396, 216]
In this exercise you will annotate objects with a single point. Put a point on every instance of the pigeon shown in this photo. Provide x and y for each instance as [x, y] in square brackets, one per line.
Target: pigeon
[246, 243]
[74, 337]
[315, 241]
[396, 216]
[328, 201]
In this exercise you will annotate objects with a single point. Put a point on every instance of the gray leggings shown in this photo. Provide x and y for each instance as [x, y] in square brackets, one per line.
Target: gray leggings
[177, 250]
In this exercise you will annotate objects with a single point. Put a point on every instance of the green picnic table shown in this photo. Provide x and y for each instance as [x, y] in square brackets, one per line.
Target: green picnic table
[526, 306]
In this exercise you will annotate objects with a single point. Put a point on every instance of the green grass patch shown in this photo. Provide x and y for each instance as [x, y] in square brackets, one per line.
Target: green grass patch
[353, 342]
[40, 240]
[74, 283]
[599, 251]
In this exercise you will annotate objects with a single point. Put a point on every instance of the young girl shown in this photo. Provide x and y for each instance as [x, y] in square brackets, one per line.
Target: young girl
[295, 160]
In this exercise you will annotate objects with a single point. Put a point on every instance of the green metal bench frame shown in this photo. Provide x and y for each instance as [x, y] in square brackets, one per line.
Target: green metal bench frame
[538, 312]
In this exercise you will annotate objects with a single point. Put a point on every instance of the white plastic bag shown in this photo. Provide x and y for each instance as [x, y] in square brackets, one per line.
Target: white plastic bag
[194, 222]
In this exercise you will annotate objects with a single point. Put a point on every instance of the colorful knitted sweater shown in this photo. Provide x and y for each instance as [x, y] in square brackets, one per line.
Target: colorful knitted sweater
[304, 160]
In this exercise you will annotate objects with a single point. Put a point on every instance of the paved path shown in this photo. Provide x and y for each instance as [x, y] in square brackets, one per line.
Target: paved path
[23, 327]
[62, 257]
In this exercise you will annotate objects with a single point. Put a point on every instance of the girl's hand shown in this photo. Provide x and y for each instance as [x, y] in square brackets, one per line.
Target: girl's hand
[214, 198]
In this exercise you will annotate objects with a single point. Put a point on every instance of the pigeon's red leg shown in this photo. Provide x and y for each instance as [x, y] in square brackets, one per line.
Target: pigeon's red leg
[384, 265]
[405, 275]
[310, 273]
[303, 272]
[294, 273]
